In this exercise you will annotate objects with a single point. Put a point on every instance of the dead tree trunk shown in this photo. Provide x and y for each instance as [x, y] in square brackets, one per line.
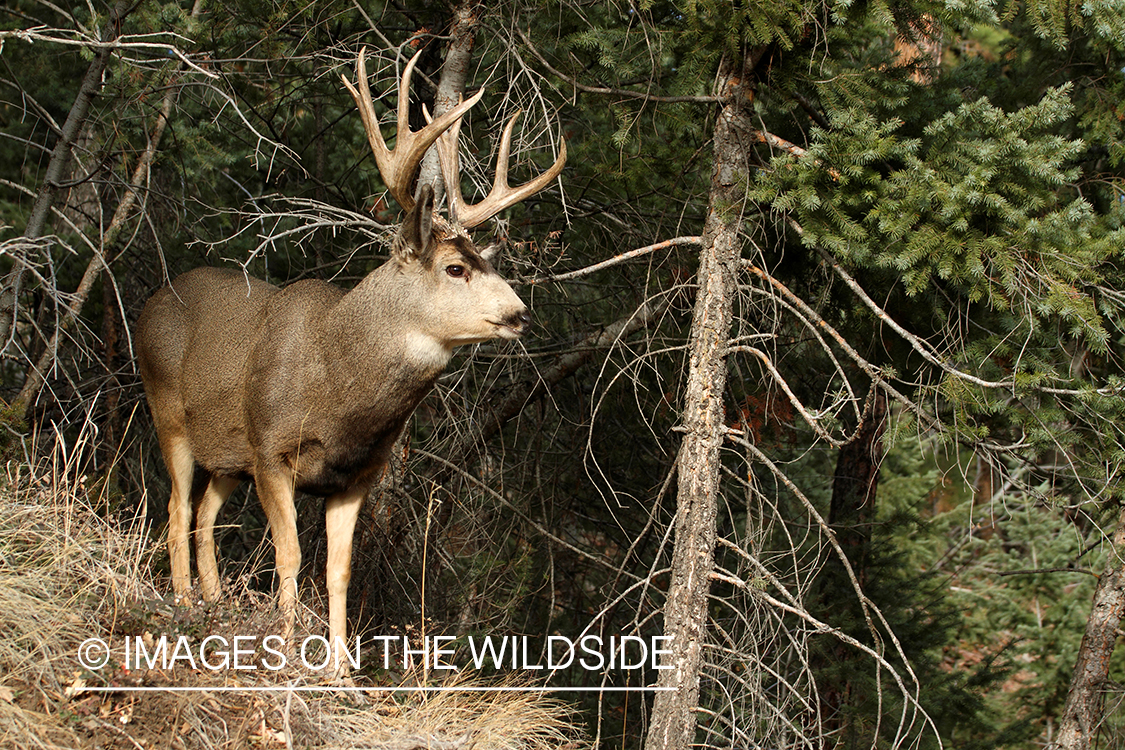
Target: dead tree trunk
[454, 74]
[855, 485]
[1085, 703]
[673, 720]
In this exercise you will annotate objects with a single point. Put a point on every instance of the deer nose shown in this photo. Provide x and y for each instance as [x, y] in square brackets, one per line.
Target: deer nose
[519, 321]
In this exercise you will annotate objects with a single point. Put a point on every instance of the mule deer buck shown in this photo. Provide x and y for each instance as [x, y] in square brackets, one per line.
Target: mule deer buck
[308, 387]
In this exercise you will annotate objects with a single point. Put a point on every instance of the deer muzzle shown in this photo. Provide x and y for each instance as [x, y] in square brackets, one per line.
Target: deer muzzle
[516, 324]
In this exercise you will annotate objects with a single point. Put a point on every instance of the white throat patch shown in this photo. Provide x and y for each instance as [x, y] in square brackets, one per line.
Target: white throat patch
[426, 351]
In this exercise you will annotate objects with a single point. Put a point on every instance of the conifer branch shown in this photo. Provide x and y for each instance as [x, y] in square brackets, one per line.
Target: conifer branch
[126, 42]
[610, 91]
[920, 346]
[810, 110]
[1035, 571]
[927, 352]
[871, 370]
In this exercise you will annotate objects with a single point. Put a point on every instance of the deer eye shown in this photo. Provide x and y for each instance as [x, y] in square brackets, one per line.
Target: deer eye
[455, 271]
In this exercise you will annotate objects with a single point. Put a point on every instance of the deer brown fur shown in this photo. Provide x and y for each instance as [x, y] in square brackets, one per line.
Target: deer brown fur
[308, 387]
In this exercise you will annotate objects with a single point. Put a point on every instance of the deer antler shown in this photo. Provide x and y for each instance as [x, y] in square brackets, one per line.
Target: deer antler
[501, 196]
[400, 166]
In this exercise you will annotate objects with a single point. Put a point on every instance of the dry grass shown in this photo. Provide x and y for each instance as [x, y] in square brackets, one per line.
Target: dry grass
[455, 721]
[68, 574]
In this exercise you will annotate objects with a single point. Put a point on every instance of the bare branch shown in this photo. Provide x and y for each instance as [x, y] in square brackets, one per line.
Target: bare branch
[37, 374]
[621, 258]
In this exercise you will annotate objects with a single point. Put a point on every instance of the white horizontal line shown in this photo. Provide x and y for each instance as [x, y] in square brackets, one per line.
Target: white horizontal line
[332, 689]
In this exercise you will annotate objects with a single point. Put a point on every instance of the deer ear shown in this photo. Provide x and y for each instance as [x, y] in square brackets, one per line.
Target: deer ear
[415, 240]
[490, 251]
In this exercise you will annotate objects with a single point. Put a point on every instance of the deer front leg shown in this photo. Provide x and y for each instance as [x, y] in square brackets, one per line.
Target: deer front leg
[341, 512]
[275, 491]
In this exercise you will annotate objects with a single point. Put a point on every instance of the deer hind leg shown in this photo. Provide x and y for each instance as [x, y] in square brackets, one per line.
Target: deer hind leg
[275, 491]
[181, 464]
[217, 492]
[341, 511]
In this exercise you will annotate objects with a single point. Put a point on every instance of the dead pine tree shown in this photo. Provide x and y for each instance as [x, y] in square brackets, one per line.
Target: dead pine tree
[673, 722]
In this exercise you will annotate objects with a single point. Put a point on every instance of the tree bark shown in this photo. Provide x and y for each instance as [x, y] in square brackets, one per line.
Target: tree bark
[673, 721]
[1085, 704]
[855, 485]
[58, 167]
[454, 73]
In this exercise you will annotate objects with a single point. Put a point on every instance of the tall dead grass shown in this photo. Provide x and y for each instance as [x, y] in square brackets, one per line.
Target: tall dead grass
[61, 566]
[68, 572]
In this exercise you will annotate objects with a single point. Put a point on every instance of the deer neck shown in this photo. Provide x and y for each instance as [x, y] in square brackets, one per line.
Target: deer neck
[375, 329]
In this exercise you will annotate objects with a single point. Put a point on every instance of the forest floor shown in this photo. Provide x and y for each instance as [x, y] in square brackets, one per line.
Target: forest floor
[69, 575]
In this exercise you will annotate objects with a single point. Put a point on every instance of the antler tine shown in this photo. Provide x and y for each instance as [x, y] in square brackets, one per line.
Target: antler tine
[501, 196]
[400, 166]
